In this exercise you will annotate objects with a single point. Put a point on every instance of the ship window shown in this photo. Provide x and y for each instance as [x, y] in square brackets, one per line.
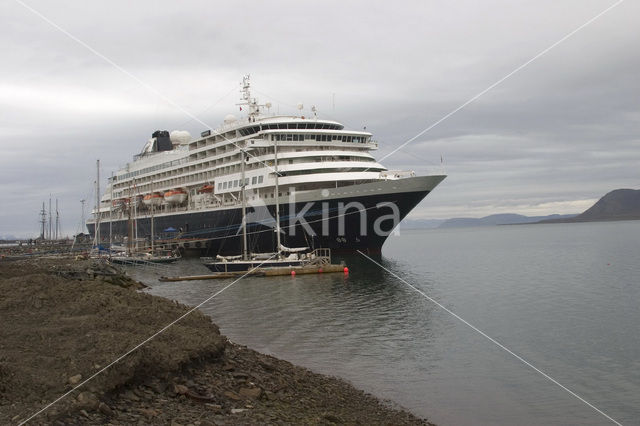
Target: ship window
[254, 180]
[224, 186]
[246, 181]
[282, 126]
[219, 186]
[260, 179]
[235, 183]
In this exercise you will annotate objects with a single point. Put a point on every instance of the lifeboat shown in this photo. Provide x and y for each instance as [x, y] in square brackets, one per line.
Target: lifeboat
[205, 189]
[154, 199]
[175, 196]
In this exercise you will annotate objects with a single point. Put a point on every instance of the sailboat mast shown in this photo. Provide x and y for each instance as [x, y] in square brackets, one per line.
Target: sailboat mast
[244, 209]
[152, 227]
[135, 211]
[111, 215]
[277, 195]
[97, 232]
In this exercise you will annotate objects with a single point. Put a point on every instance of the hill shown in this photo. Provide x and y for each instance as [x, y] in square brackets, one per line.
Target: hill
[619, 204]
[497, 219]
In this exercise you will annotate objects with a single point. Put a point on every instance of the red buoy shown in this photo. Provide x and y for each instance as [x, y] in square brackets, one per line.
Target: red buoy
[346, 270]
[320, 270]
[293, 273]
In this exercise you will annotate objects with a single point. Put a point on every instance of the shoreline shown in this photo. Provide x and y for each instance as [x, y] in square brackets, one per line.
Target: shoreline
[65, 320]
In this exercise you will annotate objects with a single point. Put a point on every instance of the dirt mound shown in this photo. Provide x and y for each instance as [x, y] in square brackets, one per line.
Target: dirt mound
[63, 321]
[55, 332]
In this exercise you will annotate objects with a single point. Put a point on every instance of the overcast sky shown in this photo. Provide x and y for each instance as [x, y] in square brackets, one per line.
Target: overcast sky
[552, 138]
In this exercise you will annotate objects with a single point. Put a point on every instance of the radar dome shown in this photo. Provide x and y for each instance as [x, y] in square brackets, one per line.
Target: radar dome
[230, 119]
[180, 137]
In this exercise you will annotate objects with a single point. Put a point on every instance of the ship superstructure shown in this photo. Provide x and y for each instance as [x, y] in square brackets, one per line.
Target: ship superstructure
[321, 176]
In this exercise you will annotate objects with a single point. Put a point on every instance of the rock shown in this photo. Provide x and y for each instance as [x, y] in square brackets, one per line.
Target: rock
[130, 396]
[180, 389]
[330, 417]
[237, 410]
[232, 395]
[105, 409]
[74, 380]
[87, 400]
[253, 393]
[149, 412]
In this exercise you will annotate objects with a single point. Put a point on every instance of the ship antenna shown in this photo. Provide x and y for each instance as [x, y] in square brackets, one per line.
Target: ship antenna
[248, 101]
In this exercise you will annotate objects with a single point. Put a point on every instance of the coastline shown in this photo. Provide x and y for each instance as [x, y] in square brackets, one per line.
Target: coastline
[65, 320]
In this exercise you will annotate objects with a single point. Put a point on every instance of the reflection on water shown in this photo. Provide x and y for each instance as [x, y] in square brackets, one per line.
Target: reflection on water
[543, 291]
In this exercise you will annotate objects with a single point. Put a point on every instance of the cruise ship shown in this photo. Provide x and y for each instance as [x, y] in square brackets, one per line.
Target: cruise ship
[269, 180]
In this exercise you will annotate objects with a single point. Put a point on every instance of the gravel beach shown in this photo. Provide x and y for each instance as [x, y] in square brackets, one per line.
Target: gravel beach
[64, 320]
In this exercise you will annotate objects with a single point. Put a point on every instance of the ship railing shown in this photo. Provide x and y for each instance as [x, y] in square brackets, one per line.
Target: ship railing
[397, 174]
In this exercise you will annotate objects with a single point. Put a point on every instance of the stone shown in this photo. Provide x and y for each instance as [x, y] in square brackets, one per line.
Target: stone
[105, 409]
[253, 393]
[237, 410]
[130, 396]
[74, 380]
[87, 400]
[232, 395]
[149, 412]
[180, 389]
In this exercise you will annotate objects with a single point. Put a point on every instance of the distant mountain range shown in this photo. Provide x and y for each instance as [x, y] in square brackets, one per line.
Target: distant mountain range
[498, 219]
[467, 222]
[620, 204]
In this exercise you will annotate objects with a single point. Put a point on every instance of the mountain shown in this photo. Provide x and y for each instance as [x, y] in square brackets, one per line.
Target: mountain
[620, 204]
[421, 223]
[498, 219]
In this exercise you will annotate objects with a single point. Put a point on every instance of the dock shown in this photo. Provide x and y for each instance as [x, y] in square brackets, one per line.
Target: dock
[265, 272]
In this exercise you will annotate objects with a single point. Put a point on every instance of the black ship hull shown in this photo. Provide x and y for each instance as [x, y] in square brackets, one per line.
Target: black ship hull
[344, 224]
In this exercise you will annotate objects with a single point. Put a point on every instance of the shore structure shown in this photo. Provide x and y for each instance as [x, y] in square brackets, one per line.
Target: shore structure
[64, 320]
[316, 179]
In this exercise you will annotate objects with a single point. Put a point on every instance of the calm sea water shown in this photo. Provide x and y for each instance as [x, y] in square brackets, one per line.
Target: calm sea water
[565, 297]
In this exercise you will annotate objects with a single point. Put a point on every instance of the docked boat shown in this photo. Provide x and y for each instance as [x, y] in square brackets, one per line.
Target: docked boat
[313, 177]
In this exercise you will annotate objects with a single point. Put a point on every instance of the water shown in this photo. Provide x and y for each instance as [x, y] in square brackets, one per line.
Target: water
[565, 297]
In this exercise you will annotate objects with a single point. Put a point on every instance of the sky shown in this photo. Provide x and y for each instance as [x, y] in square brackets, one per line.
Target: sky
[82, 81]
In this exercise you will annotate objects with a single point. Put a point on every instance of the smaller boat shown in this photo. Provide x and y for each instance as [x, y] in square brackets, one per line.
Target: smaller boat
[153, 199]
[289, 257]
[175, 196]
[143, 258]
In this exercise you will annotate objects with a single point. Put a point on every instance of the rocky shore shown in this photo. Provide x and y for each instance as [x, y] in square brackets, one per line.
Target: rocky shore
[64, 320]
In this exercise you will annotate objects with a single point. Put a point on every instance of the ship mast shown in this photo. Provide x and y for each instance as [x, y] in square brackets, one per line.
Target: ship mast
[244, 209]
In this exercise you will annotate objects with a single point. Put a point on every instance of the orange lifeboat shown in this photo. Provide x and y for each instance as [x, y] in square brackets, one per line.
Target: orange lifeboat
[154, 199]
[205, 189]
[175, 196]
